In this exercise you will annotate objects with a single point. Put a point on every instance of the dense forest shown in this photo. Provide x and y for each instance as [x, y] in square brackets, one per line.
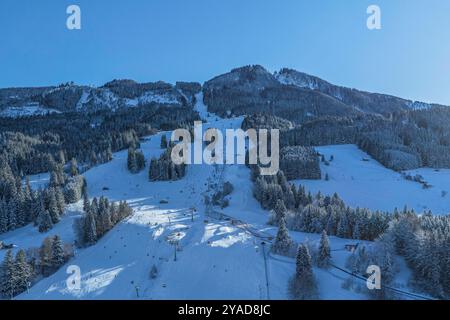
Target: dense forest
[423, 240]
[33, 144]
[20, 205]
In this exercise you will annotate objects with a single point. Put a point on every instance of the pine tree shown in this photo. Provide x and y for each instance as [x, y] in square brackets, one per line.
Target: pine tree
[53, 208]
[37, 206]
[324, 251]
[86, 203]
[73, 167]
[283, 243]
[343, 229]
[280, 211]
[61, 202]
[8, 278]
[45, 256]
[131, 160]
[303, 285]
[90, 229]
[23, 272]
[57, 257]
[163, 141]
[12, 214]
[3, 217]
[44, 221]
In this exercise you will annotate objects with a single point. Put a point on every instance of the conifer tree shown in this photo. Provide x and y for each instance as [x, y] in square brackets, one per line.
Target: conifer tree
[90, 229]
[8, 278]
[53, 208]
[73, 167]
[303, 285]
[283, 243]
[324, 251]
[131, 160]
[280, 211]
[163, 141]
[44, 221]
[38, 206]
[23, 272]
[57, 257]
[61, 202]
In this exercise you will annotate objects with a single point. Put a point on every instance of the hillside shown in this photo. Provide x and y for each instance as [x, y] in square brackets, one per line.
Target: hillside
[363, 182]
[216, 259]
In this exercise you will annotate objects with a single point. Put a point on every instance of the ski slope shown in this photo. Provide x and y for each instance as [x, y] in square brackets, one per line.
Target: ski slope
[215, 259]
[370, 185]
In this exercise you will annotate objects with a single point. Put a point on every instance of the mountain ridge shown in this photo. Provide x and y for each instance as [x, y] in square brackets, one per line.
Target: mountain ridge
[254, 89]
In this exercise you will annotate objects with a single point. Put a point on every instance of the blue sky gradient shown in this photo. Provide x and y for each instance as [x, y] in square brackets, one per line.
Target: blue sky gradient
[194, 40]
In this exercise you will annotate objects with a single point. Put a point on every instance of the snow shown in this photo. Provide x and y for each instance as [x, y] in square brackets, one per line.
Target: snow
[26, 111]
[29, 237]
[370, 185]
[290, 80]
[84, 99]
[418, 105]
[39, 181]
[152, 97]
[215, 259]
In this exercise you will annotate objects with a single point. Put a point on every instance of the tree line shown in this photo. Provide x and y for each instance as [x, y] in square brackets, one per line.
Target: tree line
[423, 240]
[99, 216]
[18, 273]
[34, 144]
[20, 205]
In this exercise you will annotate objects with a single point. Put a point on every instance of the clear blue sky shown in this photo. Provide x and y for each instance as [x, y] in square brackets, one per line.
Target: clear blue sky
[170, 40]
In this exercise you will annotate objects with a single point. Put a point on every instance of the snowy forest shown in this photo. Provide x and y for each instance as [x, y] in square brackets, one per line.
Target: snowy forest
[424, 240]
[111, 178]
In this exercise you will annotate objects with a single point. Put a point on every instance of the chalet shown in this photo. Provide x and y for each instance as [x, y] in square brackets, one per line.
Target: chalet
[351, 247]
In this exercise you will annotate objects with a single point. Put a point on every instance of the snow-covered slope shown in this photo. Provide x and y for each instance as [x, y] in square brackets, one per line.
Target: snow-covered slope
[26, 111]
[363, 182]
[216, 259]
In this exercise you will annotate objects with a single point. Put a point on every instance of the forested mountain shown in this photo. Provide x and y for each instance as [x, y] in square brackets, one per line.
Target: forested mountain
[147, 234]
[32, 144]
[294, 95]
[116, 94]
[365, 101]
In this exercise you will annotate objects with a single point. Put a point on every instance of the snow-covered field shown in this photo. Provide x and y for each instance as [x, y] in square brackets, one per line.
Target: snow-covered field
[370, 185]
[216, 259]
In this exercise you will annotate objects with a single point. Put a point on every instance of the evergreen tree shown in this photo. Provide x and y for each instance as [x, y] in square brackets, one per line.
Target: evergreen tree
[343, 228]
[73, 167]
[44, 221]
[37, 207]
[303, 285]
[12, 214]
[23, 272]
[280, 211]
[57, 257]
[163, 141]
[90, 229]
[324, 251]
[131, 160]
[61, 202]
[53, 208]
[8, 278]
[3, 217]
[283, 243]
